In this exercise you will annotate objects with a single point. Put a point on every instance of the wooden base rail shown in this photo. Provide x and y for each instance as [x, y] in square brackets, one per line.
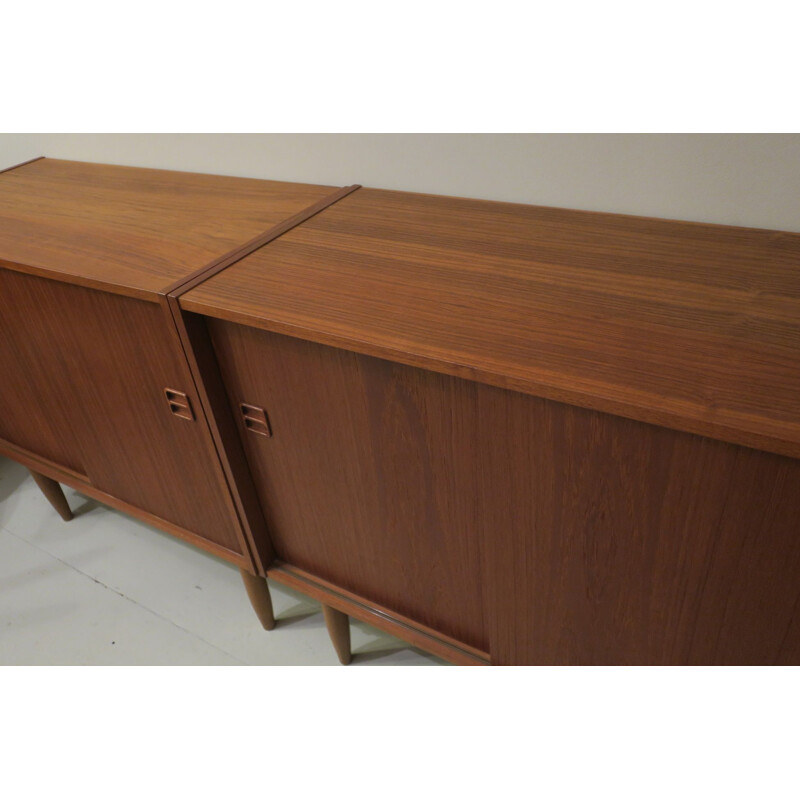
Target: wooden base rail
[382, 618]
[81, 484]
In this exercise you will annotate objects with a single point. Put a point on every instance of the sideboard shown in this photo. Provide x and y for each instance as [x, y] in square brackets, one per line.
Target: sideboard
[506, 434]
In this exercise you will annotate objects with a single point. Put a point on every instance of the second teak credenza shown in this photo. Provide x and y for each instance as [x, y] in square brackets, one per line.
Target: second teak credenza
[507, 434]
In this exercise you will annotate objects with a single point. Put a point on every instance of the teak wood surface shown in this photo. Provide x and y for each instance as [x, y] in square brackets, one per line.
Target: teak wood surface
[192, 335]
[504, 433]
[534, 531]
[690, 326]
[86, 374]
[130, 230]
[370, 477]
[610, 541]
[83, 379]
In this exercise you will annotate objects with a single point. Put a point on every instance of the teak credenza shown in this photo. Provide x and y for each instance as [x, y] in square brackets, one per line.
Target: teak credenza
[506, 434]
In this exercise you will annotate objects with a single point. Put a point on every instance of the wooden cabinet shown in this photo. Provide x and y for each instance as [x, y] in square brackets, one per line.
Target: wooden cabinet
[543, 436]
[507, 434]
[97, 391]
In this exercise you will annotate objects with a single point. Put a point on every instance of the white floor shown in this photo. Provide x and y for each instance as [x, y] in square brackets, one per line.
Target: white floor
[108, 589]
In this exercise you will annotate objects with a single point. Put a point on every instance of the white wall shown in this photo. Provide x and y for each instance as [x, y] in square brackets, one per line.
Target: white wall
[736, 179]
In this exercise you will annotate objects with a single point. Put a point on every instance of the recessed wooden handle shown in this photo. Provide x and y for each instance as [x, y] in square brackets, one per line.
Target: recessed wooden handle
[255, 419]
[179, 404]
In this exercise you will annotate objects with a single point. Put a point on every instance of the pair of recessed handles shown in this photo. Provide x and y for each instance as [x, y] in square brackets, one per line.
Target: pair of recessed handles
[254, 418]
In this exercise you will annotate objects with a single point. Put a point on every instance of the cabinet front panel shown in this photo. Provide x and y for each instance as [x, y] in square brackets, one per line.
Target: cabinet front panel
[108, 359]
[369, 477]
[39, 410]
[625, 543]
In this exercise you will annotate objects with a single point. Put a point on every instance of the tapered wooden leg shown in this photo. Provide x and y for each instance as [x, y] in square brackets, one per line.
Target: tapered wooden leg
[339, 631]
[258, 592]
[54, 493]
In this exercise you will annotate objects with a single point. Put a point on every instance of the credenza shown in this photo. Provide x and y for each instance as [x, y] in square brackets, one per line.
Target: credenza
[507, 434]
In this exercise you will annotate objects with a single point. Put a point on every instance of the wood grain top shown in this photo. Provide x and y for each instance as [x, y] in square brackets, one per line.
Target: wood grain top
[690, 326]
[130, 230]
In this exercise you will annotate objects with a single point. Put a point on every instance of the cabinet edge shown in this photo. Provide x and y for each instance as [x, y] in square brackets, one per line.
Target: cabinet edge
[216, 266]
[21, 164]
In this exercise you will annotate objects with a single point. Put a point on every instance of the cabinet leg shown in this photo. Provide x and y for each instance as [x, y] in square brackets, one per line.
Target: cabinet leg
[339, 630]
[54, 493]
[258, 592]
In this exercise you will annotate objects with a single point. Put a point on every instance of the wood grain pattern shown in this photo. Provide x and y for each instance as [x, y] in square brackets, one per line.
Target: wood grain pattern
[602, 540]
[204, 273]
[690, 326]
[130, 230]
[36, 397]
[609, 541]
[369, 479]
[85, 388]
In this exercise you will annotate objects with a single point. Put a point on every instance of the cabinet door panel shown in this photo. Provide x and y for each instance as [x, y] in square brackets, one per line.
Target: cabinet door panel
[369, 478]
[38, 407]
[620, 542]
[111, 359]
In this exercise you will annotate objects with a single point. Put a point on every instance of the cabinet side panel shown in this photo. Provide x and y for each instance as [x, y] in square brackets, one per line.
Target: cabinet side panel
[624, 543]
[369, 478]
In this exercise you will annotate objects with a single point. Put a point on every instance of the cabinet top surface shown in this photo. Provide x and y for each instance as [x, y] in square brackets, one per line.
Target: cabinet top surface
[691, 326]
[131, 229]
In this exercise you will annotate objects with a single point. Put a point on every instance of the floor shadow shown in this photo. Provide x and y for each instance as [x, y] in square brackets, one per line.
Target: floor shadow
[296, 614]
[379, 650]
[303, 608]
[85, 507]
[366, 654]
[384, 644]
